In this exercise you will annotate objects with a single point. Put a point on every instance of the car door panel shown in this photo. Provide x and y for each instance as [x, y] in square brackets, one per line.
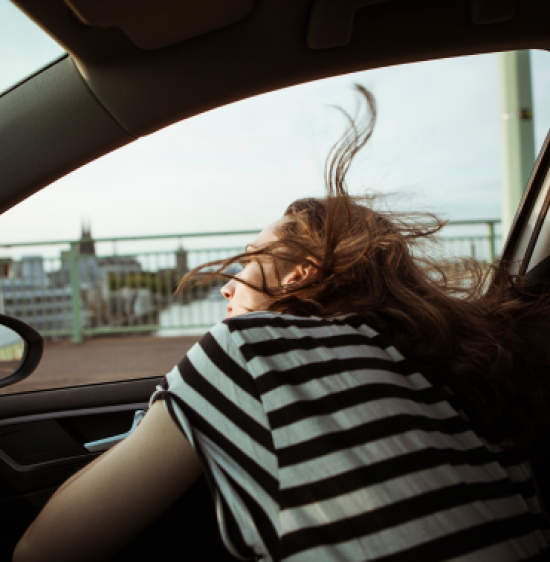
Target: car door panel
[42, 434]
[42, 437]
[76, 398]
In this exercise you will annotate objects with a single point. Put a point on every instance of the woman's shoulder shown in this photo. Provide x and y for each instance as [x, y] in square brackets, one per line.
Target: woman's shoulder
[263, 325]
[267, 318]
[266, 333]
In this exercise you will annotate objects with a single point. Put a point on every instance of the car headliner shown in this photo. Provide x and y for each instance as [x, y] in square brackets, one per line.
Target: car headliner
[109, 91]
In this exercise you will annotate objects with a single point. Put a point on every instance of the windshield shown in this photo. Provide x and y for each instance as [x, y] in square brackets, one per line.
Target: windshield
[24, 47]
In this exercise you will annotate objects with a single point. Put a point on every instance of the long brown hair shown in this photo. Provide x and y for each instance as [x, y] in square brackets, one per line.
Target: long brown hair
[474, 331]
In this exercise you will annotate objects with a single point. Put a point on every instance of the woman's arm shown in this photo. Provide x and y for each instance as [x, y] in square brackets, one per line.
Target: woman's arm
[109, 502]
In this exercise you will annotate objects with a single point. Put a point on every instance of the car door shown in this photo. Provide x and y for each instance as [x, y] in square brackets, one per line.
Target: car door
[43, 437]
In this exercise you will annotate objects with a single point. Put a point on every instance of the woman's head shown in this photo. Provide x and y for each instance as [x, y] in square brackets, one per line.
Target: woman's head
[332, 255]
[244, 291]
[264, 277]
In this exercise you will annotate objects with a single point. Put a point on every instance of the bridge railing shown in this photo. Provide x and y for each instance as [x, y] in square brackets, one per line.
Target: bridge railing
[82, 288]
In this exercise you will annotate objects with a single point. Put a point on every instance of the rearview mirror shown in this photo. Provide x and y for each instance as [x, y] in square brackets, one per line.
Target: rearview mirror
[21, 349]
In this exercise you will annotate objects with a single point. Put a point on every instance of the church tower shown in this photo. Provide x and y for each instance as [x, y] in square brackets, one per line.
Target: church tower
[86, 245]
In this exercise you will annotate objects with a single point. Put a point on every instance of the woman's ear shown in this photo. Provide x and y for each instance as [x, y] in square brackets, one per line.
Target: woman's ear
[302, 272]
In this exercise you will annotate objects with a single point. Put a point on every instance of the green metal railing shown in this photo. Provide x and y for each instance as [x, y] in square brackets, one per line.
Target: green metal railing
[77, 289]
[483, 246]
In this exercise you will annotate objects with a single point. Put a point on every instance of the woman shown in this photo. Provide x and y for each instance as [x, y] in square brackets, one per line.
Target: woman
[354, 405]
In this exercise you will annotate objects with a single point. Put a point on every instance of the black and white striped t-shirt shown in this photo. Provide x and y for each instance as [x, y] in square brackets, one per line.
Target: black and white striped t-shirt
[326, 444]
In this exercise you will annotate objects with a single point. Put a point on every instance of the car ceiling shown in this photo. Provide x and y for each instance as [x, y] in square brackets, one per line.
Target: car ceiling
[136, 66]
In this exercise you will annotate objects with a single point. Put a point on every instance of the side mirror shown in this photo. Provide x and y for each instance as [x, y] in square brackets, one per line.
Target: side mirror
[21, 349]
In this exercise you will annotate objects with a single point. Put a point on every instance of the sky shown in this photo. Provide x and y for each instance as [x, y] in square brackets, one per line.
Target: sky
[436, 147]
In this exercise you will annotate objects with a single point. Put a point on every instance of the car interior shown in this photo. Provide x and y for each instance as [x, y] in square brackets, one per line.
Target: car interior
[132, 68]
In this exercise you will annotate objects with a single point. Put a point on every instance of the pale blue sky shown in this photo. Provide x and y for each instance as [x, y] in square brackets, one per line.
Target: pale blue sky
[437, 141]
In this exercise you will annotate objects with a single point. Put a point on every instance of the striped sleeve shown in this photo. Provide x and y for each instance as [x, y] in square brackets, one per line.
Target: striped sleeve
[212, 398]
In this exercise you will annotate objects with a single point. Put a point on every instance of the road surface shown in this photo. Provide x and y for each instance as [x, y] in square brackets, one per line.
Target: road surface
[104, 359]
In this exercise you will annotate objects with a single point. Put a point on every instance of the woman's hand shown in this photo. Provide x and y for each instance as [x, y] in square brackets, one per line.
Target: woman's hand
[113, 499]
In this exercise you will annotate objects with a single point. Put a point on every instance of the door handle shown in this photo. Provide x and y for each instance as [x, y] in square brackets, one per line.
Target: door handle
[108, 442]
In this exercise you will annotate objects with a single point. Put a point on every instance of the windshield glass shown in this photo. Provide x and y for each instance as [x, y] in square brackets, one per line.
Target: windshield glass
[24, 47]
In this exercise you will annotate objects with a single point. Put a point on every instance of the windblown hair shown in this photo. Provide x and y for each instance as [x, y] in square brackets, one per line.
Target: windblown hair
[476, 332]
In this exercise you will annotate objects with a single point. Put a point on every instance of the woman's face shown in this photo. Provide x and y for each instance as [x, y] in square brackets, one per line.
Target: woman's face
[243, 299]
